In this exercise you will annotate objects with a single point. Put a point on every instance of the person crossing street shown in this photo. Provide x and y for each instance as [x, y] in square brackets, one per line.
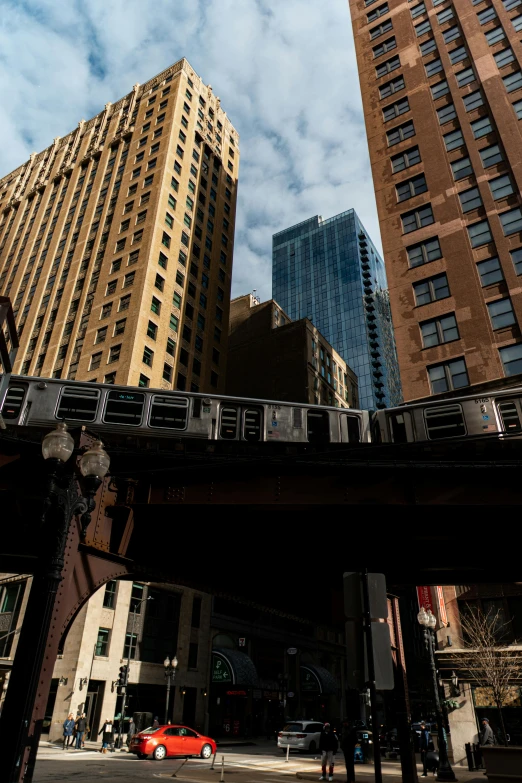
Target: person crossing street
[328, 745]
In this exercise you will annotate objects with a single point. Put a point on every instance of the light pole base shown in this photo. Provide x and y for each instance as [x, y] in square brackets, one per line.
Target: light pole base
[446, 774]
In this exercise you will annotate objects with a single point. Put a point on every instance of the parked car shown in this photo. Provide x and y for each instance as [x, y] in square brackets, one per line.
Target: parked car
[171, 741]
[300, 735]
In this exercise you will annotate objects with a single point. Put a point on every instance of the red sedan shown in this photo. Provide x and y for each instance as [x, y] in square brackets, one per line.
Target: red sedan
[171, 741]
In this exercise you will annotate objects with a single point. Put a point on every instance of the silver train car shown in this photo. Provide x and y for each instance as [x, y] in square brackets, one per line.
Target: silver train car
[41, 402]
[497, 413]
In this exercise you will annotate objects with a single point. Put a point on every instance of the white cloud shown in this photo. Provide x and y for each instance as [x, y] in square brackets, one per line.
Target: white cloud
[285, 73]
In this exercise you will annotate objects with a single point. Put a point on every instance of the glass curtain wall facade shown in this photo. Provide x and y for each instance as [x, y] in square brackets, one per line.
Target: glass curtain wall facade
[330, 272]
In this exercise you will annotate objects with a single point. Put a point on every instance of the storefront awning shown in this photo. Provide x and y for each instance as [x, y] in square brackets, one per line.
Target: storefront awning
[230, 667]
[317, 679]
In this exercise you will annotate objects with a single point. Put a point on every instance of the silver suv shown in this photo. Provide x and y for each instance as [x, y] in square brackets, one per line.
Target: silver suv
[302, 735]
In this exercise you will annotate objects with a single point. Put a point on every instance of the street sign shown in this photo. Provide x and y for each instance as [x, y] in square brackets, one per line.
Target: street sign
[242, 641]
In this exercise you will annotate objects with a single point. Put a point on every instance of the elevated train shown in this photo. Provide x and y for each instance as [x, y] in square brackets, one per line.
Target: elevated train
[41, 402]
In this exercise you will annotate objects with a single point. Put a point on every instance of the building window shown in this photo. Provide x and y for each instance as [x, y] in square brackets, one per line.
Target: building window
[487, 15]
[101, 334]
[427, 47]
[174, 323]
[171, 347]
[155, 305]
[451, 34]
[417, 218]
[95, 361]
[385, 46]
[388, 66]
[481, 127]
[133, 257]
[448, 376]
[465, 76]
[380, 11]
[424, 252]
[411, 187]
[102, 643]
[490, 272]
[400, 133]
[119, 327]
[114, 354]
[511, 357]
[431, 290]
[109, 596]
[446, 113]
[128, 280]
[385, 27]
[395, 109]
[125, 302]
[159, 282]
[152, 330]
[473, 100]
[422, 28]
[439, 330]
[193, 655]
[392, 87]
[445, 15]
[511, 221]
[143, 381]
[501, 187]
[165, 239]
[517, 22]
[457, 55]
[129, 648]
[501, 313]
[196, 612]
[169, 220]
[176, 300]
[167, 373]
[518, 109]
[110, 378]
[433, 67]
[513, 81]
[405, 159]
[439, 89]
[148, 356]
[162, 260]
[495, 35]
[418, 10]
[461, 168]
[453, 140]
[214, 379]
[470, 199]
[479, 233]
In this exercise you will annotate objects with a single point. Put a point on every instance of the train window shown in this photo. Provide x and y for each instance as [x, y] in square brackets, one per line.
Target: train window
[446, 422]
[169, 412]
[297, 418]
[13, 402]
[124, 407]
[252, 424]
[399, 425]
[79, 404]
[510, 418]
[228, 423]
[318, 426]
[354, 431]
[196, 407]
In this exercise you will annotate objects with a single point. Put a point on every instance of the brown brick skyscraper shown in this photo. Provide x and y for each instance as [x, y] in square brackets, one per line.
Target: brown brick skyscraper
[442, 94]
[116, 242]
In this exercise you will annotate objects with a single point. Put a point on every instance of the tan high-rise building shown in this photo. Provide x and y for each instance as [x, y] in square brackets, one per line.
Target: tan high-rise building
[116, 241]
[442, 94]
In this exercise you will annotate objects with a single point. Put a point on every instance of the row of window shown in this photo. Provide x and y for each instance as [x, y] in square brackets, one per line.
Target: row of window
[453, 374]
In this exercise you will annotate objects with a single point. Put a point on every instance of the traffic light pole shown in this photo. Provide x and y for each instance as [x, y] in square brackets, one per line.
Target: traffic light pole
[367, 621]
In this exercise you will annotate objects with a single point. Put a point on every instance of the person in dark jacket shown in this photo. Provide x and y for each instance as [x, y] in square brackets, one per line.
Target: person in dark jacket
[486, 736]
[328, 745]
[155, 723]
[131, 731]
[424, 747]
[68, 728]
[108, 735]
[81, 725]
[348, 743]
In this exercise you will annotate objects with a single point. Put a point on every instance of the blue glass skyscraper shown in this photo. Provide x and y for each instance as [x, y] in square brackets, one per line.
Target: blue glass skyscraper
[330, 271]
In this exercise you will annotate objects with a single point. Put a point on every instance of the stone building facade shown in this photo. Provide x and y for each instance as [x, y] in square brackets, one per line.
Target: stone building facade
[116, 242]
[272, 357]
[441, 86]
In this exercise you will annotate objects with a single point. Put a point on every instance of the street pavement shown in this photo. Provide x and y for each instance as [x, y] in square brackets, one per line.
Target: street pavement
[261, 762]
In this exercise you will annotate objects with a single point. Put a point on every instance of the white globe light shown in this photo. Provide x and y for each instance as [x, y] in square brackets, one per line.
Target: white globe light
[175, 662]
[166, 662]
[432, 620]
[95, 461]
[423, 618]
[58, 444]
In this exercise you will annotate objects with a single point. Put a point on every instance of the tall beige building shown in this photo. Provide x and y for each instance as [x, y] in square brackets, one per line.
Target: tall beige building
[116, 241]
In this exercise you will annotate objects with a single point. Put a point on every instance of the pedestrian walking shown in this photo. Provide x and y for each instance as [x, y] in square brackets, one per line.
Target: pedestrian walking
[425, 745]
[81, 725]
[328, 745]
[348, 743]
[131, 731]
[108, 735]
[486, 736]
[68, 728]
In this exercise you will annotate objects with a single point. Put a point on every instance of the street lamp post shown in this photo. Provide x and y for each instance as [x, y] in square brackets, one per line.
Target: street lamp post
[428, 620]
[170, 676]
[67, 495]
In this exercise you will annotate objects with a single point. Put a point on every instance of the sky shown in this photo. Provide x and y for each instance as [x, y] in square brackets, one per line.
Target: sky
[285, 71]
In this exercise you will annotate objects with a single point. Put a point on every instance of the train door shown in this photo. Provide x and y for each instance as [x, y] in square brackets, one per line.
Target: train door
[509, 413]
[400, 427]
[318, 426]
[350, 428]
[237, 423]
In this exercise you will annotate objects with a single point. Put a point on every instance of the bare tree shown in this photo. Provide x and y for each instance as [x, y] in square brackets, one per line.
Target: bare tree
[488, 660]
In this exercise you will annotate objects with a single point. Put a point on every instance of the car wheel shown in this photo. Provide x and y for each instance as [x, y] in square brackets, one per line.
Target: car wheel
[141, 755]
[312, 746]
[206, 751]
[159, 753]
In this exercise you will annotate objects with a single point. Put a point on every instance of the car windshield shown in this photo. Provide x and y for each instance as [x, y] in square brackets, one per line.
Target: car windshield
[150, 730]
[293, 727]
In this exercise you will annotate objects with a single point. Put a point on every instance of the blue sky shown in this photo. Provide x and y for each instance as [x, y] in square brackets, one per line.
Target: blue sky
[284, 69]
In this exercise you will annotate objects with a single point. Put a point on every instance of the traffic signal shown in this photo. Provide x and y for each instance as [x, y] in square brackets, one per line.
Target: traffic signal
[123, 679]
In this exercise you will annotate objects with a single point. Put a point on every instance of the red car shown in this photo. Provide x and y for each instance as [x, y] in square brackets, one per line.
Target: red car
[171, 741]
